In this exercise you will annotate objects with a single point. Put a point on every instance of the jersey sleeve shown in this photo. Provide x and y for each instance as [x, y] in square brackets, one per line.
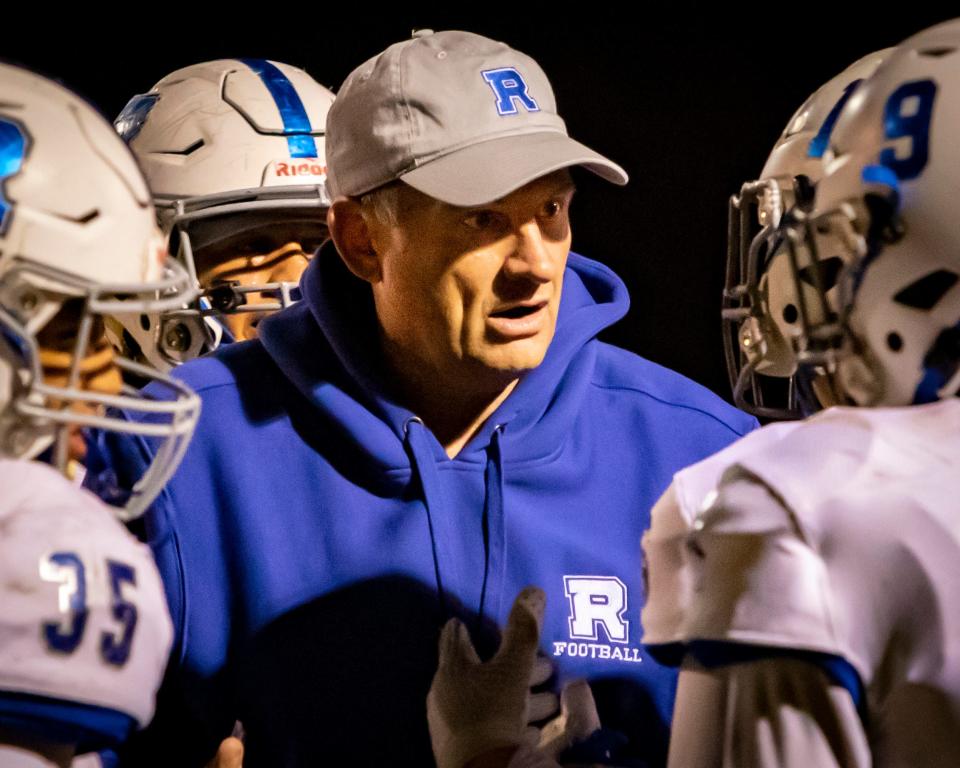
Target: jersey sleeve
[666, 579]
[738, 583]
[753, 577]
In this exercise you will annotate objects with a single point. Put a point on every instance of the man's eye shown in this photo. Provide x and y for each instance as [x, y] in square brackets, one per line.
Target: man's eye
[481, 220]
[552, 209]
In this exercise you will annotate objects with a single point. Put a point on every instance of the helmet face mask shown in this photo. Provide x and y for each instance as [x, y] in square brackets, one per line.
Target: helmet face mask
[80, 243]
[760, 309]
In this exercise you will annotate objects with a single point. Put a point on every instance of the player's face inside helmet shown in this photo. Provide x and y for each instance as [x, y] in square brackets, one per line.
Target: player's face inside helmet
[471, 295]
[248, 276]
[96, 371]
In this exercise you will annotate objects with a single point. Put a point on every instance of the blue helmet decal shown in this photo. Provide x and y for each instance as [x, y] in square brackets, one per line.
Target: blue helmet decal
[820, 142]
[510, 89]
[881, 174]
[134, 115]
[13, 150]
[907, 114]
[296, 122]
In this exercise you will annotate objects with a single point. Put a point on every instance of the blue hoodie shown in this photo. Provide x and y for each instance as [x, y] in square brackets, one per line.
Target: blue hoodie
[316, 535]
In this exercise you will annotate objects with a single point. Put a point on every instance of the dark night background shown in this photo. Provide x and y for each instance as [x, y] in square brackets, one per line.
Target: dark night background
[689, 101]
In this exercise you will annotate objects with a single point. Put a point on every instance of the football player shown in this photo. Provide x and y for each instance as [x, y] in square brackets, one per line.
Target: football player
[233, 151]
[808, 574]
[85, 632]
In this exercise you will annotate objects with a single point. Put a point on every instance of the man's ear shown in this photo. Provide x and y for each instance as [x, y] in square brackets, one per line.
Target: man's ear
[353, 239]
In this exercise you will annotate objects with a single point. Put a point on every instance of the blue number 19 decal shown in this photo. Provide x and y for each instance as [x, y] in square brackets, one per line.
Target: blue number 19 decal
[13, 148]
[907, 115]
[116, 650]
[66, 569]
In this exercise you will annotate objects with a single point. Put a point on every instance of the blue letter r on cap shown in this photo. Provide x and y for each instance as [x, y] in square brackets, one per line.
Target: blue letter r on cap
[509, 87]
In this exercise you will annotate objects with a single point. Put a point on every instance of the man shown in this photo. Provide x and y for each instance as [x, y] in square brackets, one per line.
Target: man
[85, 632]
[432, 427]
[233, 151]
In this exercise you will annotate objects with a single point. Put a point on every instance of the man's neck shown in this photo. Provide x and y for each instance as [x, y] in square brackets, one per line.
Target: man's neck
[454, 425]
[453, 410]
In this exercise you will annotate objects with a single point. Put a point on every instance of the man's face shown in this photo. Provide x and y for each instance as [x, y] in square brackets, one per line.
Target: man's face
[98, 370]
[282, 265]
[254, 259]
[472, 294]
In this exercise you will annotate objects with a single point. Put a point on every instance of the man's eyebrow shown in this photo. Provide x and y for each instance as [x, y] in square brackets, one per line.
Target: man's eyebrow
[565, 186]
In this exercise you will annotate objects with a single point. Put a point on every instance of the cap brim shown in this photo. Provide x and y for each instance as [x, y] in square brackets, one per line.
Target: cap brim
[484, 172]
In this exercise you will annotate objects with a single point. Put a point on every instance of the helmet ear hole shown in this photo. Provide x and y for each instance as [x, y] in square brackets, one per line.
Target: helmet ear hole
[145, 322]
[894, 341]
[804, 189]
[131, 345]
[790, 314]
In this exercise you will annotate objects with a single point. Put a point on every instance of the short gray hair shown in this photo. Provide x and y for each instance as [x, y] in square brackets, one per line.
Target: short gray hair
[382, 204]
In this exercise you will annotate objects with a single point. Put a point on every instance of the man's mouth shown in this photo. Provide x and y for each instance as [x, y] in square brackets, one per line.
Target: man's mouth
[518, 321]
[523, 310]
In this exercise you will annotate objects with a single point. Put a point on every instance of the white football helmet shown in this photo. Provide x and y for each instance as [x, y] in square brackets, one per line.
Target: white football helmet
[233, 151]
[78, 241]
[759, 308]
[886, 207]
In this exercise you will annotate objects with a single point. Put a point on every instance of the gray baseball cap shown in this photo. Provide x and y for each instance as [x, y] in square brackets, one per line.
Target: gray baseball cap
[460, 117]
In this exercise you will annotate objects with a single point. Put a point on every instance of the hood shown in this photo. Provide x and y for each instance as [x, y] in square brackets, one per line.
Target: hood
[328, 347]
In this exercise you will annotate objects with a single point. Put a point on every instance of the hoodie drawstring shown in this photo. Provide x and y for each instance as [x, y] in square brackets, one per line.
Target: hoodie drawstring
[444, 523]
[494, 541]
[439, 519]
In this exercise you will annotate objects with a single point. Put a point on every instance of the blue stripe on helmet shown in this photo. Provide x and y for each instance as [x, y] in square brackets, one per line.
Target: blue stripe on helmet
[819, 143]
[881, 174]
[13, 149]
[296, 123]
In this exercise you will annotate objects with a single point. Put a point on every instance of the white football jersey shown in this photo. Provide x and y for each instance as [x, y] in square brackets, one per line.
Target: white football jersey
[84, 628]
[853, 550]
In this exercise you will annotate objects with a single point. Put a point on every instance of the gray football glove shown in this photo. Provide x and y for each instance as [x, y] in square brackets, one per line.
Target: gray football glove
[474, 707]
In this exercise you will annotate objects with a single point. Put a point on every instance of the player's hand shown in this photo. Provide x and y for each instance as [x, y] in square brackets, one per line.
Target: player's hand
[472, 707]
[229, 754]
[543, 704]
[578, 719]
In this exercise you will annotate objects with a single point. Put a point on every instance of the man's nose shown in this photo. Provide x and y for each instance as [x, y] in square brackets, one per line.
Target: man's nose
[531, 258]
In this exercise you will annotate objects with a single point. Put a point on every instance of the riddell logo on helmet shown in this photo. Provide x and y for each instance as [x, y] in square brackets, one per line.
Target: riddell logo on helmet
[312, 168]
